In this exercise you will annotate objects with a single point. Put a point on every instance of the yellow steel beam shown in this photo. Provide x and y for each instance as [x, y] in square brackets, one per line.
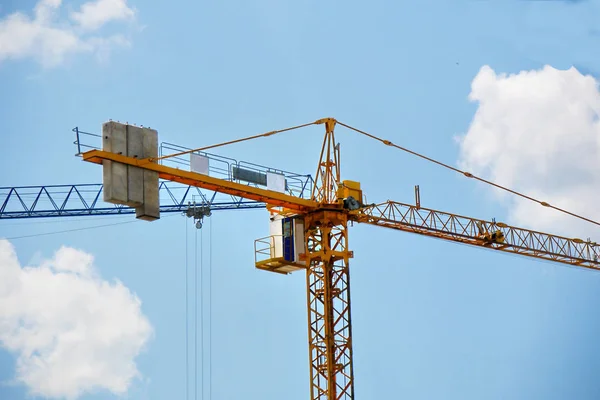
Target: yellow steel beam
[328, 300]
[206, 182]
[456, 228]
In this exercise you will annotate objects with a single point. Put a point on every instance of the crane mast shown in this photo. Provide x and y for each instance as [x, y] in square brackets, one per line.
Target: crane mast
[322, 223]
[328, 281]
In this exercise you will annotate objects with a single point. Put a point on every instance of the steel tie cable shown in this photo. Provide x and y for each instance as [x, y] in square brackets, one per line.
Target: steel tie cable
[468, 174]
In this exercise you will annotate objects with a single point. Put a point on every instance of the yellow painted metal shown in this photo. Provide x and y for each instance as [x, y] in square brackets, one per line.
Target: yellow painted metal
[497, 236]
[327, 177]
[328, 301]
[206, 182]
[351, 184]
[328, 281]
[350, 188]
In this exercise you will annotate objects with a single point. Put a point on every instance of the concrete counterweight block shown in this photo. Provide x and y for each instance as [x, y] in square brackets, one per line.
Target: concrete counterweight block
[150, 208]
[125, 184]
[135, 176]
[114, 175]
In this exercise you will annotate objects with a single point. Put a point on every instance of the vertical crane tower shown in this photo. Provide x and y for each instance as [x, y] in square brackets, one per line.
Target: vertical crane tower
[312, 234]
[328, 277]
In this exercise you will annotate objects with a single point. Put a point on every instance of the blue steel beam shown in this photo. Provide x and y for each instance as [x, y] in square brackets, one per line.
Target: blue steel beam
[86, 200]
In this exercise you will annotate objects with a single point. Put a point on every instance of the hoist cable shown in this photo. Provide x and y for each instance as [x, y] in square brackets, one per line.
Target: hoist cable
[210, 310]
[187, 300]
[201, 314]
[196, 315]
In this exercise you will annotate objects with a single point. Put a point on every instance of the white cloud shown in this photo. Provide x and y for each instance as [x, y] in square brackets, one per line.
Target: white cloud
[538, 132]
[72, 331]
[50, 39]
[96, 13]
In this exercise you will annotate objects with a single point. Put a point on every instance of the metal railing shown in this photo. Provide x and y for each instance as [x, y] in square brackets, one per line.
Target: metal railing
[79, 135]
[298, 185]
[264, 248]
[221, 167]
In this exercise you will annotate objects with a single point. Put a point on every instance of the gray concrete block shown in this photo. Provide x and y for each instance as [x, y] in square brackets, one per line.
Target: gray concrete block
[125, 184]
[114, 139]
[150, 142]
[150, 209]
[135, 175]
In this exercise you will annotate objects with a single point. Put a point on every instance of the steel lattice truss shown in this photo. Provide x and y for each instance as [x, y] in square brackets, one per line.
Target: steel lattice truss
[86, 199]
[328, 282]
[410, 218]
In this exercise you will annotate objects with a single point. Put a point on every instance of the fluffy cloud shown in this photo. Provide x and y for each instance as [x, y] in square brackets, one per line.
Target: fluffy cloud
[538, 132]
[97, 13]
[50, 39]
[72, 331]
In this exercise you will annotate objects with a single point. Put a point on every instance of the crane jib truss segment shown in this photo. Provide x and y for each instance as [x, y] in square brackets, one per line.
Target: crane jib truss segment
[462, 229]
[52, 201]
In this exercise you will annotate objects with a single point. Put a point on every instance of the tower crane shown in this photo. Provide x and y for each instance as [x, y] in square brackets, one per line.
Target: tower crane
[308, 225]
[311, 234]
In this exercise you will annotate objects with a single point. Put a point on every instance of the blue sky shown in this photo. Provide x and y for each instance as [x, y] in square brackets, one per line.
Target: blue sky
[431, 320]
